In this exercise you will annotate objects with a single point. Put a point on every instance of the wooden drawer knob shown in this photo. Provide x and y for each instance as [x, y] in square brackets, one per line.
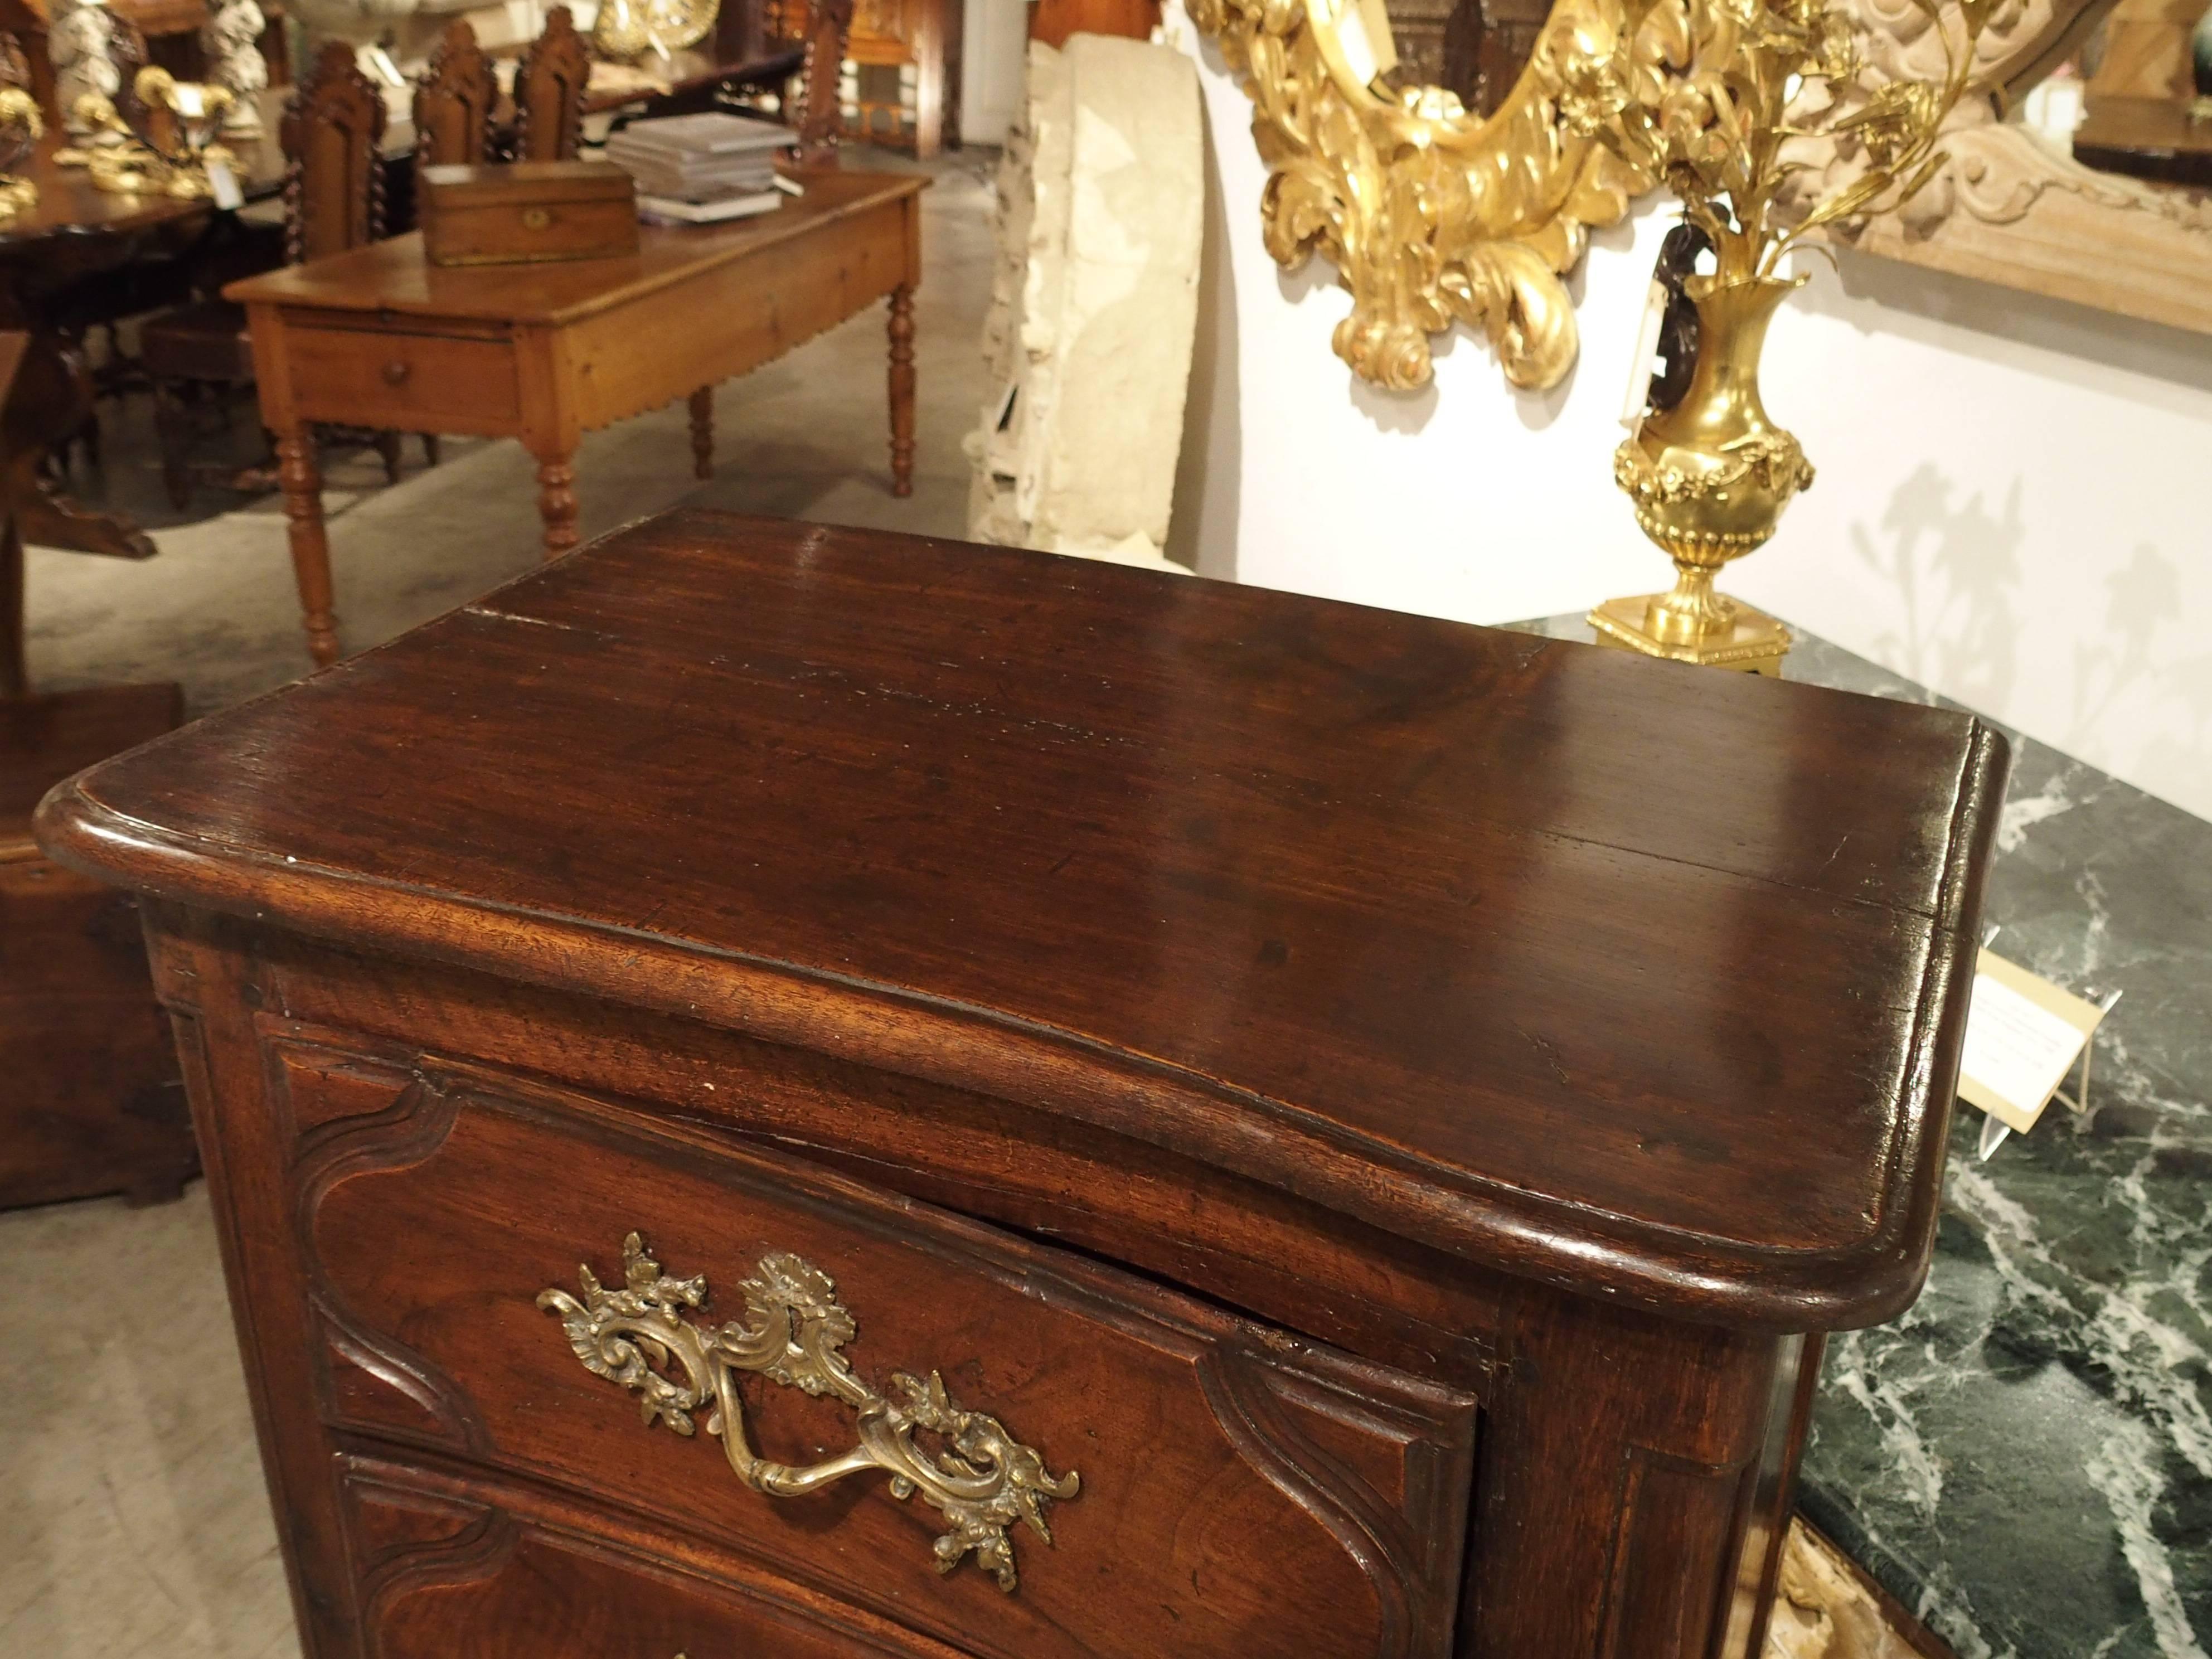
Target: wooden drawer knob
[537, 218]
[396, 372]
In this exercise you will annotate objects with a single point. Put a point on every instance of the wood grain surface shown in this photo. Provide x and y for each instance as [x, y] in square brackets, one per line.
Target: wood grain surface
[393, 276]
[1644, 982]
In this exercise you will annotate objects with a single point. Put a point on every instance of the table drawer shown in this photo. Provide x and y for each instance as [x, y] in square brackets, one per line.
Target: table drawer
[448, 1570]
[404, 382]
[1211, 1487]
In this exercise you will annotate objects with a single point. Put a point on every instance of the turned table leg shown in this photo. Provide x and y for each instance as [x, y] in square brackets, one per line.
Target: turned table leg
[302, 482]
[557, 503]
[702, 432]
[902, 333]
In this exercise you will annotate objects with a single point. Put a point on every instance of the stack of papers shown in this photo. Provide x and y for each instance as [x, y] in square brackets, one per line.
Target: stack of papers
[697, 169]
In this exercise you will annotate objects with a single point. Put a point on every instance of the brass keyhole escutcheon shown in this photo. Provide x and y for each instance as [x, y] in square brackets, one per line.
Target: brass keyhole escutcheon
[395, 373]
[537, 218]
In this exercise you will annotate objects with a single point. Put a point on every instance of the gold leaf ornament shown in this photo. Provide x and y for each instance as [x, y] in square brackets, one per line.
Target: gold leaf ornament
[1429, 213]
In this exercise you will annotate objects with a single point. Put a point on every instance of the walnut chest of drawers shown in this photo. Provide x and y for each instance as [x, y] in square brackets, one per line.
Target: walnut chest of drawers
[785, 1090]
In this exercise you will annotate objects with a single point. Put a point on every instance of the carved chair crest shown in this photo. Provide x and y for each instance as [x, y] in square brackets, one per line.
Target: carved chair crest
[333, 184]
[454, 101]
[548, 91]
[829, 33]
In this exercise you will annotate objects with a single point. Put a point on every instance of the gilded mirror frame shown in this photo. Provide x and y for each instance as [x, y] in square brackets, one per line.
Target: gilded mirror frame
[1433, 214]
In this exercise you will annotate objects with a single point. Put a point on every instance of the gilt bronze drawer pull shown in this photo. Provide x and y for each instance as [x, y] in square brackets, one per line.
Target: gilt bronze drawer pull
[983, 1480]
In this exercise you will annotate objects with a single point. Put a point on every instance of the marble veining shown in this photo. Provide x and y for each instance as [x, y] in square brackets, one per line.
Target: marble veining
[2024, 1459]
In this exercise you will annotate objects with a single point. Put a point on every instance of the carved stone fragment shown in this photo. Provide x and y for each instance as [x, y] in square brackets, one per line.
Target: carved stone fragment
[1094, 305]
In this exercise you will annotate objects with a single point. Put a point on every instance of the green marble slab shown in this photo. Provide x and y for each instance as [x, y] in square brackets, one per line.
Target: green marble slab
[2024, 1459]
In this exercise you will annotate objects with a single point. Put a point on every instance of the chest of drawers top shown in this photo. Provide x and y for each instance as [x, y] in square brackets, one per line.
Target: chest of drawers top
[1638, 981]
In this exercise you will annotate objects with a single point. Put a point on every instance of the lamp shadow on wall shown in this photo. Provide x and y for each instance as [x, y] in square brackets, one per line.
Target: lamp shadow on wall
[1954, 570]
[2141, 598]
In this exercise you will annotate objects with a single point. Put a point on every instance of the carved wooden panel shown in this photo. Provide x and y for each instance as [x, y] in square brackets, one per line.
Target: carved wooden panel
[1243, 1491]
[437, 1556]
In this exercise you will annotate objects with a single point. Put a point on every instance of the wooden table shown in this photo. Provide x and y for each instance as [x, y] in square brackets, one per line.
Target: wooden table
[1391, 1106]
[544, 352]
[78, 240]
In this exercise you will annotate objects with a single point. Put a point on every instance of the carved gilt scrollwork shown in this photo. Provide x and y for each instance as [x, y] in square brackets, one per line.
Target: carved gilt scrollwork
[1433, 214]
[982, 1477]
[1429, 213]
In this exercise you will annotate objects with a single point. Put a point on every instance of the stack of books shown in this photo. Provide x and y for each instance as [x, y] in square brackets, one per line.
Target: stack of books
[701, 169]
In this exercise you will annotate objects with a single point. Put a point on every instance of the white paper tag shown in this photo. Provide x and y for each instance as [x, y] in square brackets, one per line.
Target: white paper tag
[2023, 1036]
[224, 184]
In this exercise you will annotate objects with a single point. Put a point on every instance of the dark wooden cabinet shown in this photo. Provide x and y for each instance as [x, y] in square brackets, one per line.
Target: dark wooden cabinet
[900, 80]
[90, 1103]
[781, 1089]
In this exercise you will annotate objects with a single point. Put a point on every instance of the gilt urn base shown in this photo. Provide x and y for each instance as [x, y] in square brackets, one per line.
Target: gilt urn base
[1751, 640]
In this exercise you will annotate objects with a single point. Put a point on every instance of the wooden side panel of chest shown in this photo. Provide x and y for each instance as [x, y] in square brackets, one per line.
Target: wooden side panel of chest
[90, 1101]
[406, 1155]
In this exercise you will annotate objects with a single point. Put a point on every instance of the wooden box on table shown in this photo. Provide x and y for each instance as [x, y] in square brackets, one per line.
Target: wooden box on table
[521, 213]
[756, 1071]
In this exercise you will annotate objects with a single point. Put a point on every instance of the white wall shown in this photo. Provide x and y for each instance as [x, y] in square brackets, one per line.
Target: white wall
[994, 38]
[2014, 500]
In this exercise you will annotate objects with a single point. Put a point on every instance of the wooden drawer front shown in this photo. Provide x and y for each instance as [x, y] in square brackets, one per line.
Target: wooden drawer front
[1242, 1492]
[404, 382]
[449, 1569]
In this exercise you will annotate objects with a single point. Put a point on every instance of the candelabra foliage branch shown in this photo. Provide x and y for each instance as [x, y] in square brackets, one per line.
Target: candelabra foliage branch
[1710, 96]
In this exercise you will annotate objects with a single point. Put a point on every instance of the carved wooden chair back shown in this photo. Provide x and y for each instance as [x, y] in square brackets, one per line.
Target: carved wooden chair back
[333, 185]
[829, 34]
[454, 101]
[549, 92]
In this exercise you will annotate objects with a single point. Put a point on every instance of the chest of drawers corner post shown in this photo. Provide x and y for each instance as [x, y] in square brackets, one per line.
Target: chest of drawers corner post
[634, 1255]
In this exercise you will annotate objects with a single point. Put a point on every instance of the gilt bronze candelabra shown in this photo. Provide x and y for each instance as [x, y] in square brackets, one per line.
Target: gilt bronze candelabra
[1710, 473]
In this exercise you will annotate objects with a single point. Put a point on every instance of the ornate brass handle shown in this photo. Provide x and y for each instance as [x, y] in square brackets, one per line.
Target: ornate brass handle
[983, 1480]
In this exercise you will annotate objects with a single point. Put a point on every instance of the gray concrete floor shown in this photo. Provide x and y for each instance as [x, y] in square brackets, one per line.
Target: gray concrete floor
[133, 1520]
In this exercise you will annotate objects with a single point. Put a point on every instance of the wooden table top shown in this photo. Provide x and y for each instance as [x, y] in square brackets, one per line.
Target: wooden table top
[393, 276]
[1642, 980]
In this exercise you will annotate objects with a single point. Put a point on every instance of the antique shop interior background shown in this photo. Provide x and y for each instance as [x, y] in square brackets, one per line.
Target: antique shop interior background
[1140, 336]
